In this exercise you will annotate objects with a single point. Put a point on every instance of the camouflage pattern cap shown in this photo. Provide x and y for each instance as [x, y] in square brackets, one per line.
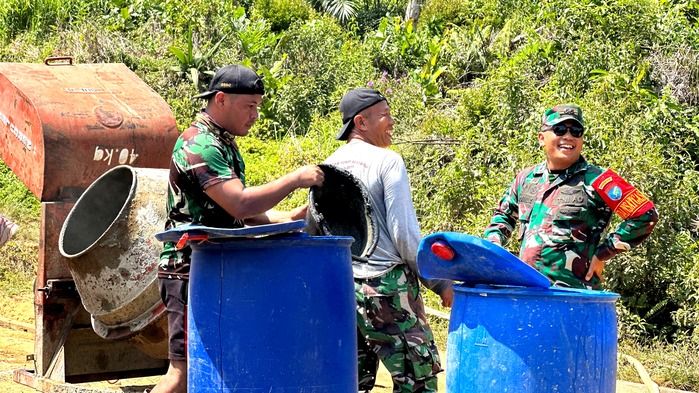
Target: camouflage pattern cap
[561, 113]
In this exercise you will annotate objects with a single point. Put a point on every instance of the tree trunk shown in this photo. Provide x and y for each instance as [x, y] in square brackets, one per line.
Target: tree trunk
[413, 11]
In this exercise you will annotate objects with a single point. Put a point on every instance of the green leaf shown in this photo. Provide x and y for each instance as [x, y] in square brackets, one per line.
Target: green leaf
[179, 53]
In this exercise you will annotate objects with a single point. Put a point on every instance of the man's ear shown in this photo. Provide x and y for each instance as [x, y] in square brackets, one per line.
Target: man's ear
[540, 137]
[359, 121]
[219, 98]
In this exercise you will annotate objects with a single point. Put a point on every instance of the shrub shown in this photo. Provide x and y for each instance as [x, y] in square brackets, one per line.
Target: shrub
[677, 69]
[282, 13]
[440, 14]
[39, 16]
[322, 59]
[630, 64]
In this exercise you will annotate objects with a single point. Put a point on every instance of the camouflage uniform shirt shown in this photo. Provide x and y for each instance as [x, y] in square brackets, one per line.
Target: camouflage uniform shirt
[563, 215]
[204, 155]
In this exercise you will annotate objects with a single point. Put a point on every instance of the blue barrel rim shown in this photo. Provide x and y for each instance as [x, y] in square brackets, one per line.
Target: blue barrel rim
[552, 292]
[274, 241]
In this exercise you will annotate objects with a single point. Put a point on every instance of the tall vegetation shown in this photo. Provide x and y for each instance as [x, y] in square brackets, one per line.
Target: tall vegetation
[467, 85]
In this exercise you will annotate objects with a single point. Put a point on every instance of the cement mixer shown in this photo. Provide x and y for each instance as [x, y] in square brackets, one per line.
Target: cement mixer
[108, 239]
[63, 126]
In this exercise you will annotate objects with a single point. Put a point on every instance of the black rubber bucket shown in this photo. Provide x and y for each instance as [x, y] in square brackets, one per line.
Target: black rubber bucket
[341, 207]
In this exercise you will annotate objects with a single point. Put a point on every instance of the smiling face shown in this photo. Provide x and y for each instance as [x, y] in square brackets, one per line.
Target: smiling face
[375, 124]
[561, 151]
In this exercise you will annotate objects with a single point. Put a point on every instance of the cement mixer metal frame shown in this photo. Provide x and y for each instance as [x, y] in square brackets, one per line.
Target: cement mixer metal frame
[46, 385]
[64, 125]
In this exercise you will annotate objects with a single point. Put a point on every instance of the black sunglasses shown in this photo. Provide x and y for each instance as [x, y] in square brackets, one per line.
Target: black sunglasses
[562, 129]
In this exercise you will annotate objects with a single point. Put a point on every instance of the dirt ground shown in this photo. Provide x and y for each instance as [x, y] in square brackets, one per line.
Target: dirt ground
[16, 343]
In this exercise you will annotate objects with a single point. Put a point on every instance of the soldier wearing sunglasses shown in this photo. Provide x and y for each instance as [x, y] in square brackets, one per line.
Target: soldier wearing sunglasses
[564, 204]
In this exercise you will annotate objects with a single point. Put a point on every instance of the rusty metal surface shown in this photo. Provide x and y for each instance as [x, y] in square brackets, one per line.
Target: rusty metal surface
[57, 316]
[52, 265]
[53, 315]
[89, 357]
[62, 126]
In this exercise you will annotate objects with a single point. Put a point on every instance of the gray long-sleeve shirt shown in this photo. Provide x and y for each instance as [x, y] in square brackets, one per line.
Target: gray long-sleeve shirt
[383, 173]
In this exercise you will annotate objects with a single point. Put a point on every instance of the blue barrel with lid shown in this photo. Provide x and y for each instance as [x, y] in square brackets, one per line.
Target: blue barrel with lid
[510, 331]
[273, 314]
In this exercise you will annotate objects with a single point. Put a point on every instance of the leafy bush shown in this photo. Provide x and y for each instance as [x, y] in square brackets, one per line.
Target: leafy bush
[15, 198]
[438, 15]
[672, 365]
[361, 15]
[192, 62]
[370, 14]
[321, 58]
[257, 41]
[467, 53]
[398, 47]
[39, 16]
[282, 13]
[209, 17]
[126, 15]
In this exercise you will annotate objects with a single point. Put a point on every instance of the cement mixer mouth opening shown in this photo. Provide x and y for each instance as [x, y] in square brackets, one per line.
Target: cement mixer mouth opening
[96, 211]
[341, 207]
[108, 240]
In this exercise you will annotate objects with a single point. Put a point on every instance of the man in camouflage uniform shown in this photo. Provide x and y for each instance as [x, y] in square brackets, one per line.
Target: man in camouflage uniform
[390, 313]
[564, 205]
[207, 187]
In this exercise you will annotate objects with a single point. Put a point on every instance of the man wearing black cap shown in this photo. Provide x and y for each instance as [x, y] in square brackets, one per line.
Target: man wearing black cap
[207, 187]
[565, 204]
[390, 313]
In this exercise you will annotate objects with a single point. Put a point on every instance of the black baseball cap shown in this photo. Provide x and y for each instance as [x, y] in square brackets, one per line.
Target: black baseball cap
[234, 79]
[354, 102]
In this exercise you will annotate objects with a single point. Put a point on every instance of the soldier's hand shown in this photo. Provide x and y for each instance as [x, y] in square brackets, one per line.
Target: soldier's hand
[309, 175]
[447, 296]
[299, 213]
[596, 268]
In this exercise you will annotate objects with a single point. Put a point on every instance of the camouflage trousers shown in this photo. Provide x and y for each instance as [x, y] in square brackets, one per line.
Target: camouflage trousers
[392, 327]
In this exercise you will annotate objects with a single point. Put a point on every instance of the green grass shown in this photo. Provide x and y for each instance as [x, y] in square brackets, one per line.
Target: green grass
[671, 365]
[18, 257]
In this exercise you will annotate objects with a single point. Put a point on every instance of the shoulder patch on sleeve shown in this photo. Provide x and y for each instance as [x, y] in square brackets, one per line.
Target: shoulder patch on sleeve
[623, 198]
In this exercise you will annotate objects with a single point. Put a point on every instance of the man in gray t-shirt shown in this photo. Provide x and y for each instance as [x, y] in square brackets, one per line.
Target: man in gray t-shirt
[390, 312]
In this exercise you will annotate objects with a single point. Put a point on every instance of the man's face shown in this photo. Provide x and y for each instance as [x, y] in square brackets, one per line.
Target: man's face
[378, 124]
[561, 151]
[240, 112]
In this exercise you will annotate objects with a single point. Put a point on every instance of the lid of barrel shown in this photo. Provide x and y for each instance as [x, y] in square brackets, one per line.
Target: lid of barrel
[472, 260]
[200, 232]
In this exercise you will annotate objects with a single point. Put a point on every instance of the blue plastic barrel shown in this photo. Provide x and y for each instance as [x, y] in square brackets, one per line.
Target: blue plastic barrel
[272, 315]
[531, 340]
